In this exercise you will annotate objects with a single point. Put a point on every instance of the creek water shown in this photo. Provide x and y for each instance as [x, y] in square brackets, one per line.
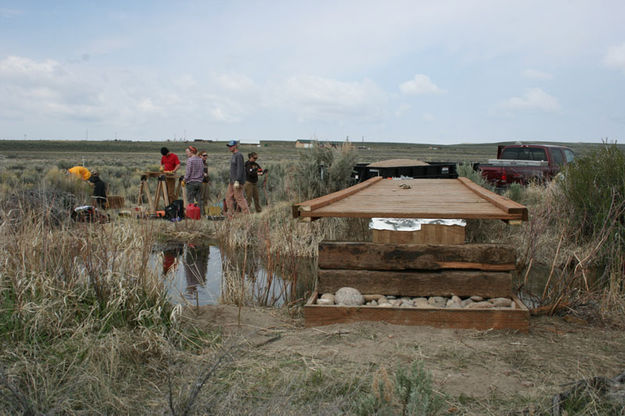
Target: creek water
[208, 275]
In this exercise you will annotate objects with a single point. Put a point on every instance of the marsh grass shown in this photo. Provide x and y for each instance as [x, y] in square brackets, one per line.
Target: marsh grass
[84, 320]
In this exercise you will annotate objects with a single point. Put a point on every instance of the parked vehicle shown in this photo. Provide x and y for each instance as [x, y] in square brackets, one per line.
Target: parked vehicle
[524, 163]
[398, 168]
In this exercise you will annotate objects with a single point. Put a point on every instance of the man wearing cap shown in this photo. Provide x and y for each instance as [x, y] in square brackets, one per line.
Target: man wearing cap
[193, 176]
[237, 180]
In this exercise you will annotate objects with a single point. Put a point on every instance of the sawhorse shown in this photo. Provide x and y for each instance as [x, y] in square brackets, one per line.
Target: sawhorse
[161, 191]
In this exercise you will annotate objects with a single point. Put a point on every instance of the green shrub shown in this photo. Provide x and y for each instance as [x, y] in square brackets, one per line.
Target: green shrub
[592, 207]
[465, 169]
[410, 393]
[322, 170]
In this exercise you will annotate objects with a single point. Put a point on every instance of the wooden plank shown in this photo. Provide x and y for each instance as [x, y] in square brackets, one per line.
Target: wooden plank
[336, 196]
[481, 319]
[415, 198]
[505, 204]
[373, 256]
[428, 234]
[442, 283]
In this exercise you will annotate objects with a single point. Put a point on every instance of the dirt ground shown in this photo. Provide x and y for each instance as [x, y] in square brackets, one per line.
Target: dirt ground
[482, 366]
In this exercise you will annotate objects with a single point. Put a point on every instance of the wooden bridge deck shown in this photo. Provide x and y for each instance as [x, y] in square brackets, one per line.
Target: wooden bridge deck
[413, 198]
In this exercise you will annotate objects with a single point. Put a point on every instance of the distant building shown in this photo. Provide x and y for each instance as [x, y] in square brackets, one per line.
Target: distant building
[304, 144]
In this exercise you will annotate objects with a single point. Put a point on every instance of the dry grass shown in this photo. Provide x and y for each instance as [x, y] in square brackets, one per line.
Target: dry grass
[85, 324]
[86, 328]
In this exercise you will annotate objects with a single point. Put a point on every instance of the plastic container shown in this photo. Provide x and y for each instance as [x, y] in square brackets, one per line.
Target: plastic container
[193, 212]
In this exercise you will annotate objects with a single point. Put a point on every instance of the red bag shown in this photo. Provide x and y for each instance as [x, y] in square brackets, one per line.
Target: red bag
[193, 212]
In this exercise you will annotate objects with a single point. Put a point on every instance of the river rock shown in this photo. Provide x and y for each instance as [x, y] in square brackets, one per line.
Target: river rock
[500, 302]
[322, 301]
[406, 305]
[422, 303]
[456, 299]
[382, 300]
[437, 301]
[374, 303]
[369, 298]
[407, 301]
[453, 304]
[477, 298]
[395, 302]
[480, 305]
[328, 296]
[349, 296]
[385, 305]
[466, 302]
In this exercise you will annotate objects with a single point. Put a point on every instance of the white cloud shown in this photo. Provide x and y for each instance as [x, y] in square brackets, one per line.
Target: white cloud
[535, 74]
[533, 99]
[615, 57]
[317, 98]
[48, 91]
[428, 117]
[420, 84]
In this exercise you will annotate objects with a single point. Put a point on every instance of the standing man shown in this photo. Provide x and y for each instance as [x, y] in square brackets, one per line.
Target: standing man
[205, 181]
[237, 180]
[169, 164]
[252, 170]
[193, 176]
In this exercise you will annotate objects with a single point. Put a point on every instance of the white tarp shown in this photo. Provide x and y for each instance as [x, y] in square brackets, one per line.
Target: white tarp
[409, 224]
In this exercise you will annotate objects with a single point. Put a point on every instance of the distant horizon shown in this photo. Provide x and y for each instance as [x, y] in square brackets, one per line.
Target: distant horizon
[258, 141]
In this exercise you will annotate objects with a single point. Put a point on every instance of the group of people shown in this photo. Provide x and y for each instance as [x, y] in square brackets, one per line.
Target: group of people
[242, 187]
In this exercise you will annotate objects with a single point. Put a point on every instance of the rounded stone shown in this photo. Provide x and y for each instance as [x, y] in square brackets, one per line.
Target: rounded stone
[480, 305]
[322, 301]
[437, 301]
[501, 302]
[349, 296]
[329, 296]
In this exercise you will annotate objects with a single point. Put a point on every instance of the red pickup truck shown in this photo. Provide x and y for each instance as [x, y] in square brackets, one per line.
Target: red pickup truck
[524, 163]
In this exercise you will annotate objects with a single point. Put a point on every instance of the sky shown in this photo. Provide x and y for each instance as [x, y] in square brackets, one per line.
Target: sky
[441, 72]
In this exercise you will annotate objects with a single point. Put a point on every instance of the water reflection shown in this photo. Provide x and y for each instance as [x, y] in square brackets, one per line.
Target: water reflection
[206, 275]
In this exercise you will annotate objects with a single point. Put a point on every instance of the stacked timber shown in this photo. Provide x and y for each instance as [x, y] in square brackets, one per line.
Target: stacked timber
[417, 270]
